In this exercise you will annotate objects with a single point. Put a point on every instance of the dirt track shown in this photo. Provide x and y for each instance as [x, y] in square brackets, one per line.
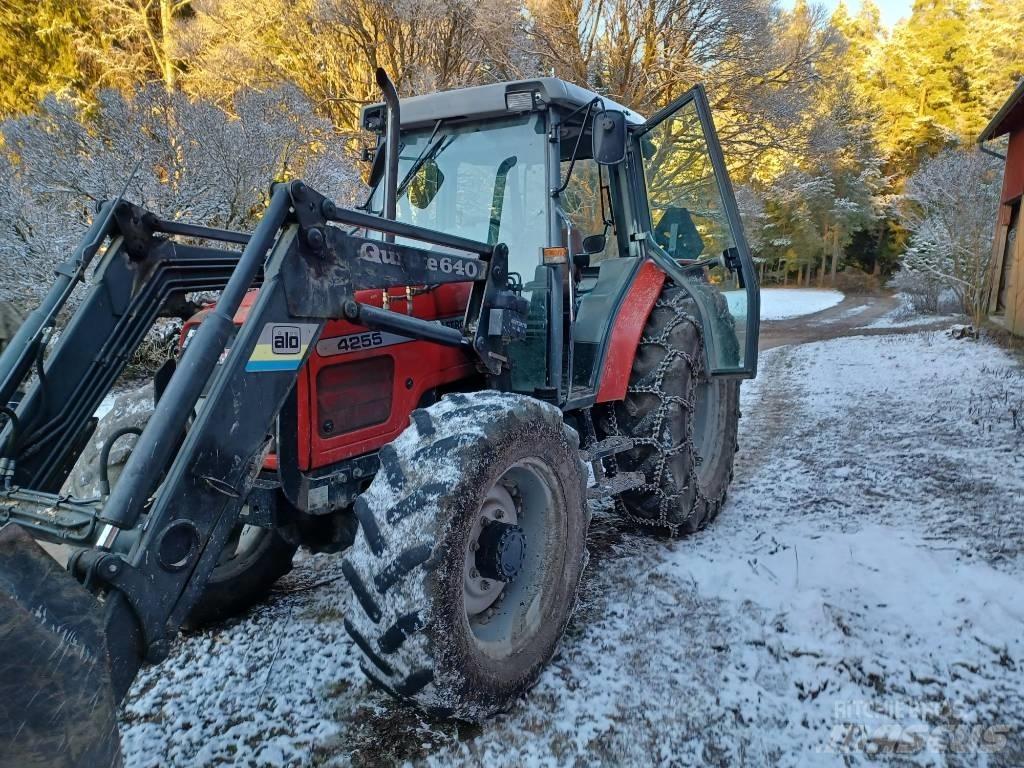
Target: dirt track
[847, 318]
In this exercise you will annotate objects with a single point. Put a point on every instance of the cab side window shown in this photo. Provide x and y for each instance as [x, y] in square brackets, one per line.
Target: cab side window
[581, 203]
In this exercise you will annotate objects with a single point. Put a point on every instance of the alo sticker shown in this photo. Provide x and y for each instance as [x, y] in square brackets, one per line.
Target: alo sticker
[281, 347]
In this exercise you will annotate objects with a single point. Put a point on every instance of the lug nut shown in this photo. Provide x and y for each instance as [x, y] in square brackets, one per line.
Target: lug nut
[485, 585]
[499, 514]
[474, 573]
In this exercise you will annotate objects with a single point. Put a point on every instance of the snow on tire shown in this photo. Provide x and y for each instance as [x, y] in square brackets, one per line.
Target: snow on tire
[470, 551]
[683, 424]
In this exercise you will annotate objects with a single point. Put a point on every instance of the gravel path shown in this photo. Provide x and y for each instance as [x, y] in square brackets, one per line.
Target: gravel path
[851, 317]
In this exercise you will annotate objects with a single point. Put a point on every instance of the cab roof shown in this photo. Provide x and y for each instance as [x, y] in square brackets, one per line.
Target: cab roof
[483, 101]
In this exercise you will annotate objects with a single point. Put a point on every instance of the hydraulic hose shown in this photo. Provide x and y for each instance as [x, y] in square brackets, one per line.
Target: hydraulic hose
[105, 456]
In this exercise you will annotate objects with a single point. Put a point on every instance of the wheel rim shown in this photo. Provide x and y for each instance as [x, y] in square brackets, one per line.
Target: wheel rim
[504, 615]
[245, 541]
[705, 435]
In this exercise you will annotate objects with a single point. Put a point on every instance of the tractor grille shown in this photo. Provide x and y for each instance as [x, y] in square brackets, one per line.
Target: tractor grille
[351, 396]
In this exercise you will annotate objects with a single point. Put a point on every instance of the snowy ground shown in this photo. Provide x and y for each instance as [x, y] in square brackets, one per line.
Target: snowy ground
[904, 316]
[106, 405]
[899, 318]
[783, 303]
[861, 593]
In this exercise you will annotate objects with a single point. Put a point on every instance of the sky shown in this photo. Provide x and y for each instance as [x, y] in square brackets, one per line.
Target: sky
[892, 10]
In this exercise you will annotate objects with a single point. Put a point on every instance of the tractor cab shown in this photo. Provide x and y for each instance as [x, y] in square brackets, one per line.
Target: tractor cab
[583, 191]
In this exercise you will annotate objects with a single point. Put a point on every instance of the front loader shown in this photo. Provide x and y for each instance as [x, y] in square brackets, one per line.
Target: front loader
[539, 280]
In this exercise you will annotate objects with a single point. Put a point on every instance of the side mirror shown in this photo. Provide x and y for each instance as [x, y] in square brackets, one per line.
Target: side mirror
[425, 185]
[609, 135]
[593, 244]
[377, 169]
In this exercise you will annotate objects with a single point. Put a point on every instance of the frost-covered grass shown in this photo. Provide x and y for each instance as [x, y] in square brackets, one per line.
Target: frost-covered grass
[785, 303]
[862, 590]
[906, 316]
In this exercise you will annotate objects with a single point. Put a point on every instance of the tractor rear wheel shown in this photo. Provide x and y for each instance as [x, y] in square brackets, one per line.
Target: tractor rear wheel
[254, 558]
[470, 552]
[683, 424]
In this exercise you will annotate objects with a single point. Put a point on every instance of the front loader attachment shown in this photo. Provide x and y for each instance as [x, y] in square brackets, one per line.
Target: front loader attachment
[73, 641]
[57, 707]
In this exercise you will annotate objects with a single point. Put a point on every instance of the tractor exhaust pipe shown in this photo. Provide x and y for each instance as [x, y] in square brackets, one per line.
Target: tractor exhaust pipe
[393, 128]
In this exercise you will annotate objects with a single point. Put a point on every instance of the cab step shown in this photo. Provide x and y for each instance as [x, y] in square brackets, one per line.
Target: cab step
[613, 486]
[604, 448]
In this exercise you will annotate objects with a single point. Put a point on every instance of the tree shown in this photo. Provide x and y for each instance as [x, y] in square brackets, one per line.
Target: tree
[39, 53]
[330, 48]
[206, 166]
[948, 209]
[756, 62]
[997, 40]
[140, 41]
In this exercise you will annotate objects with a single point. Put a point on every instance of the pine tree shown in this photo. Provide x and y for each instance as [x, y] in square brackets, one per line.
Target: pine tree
[38, 51]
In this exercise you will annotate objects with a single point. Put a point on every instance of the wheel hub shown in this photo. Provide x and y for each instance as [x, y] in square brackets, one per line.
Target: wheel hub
[502, 552]
[481, 586]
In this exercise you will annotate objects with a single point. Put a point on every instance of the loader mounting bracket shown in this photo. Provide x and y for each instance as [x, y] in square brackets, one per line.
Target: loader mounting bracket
[138, 227]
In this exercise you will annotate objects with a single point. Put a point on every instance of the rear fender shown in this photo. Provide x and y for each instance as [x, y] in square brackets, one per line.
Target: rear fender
[629, 327]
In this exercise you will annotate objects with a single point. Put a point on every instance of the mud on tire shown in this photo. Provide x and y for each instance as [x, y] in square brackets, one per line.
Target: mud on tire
[683, 424]
[415, 610]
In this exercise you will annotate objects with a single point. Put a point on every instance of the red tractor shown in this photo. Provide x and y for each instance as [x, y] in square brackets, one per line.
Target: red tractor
[540, 280]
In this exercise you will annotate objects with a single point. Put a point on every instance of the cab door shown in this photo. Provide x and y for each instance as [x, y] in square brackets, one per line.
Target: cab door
[693, 229]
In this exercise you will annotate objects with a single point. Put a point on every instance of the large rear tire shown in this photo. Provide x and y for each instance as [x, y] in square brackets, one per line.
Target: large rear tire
[683, 424]
[470, 552]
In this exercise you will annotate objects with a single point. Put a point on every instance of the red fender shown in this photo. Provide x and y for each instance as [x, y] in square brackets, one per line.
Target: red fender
[629, 326]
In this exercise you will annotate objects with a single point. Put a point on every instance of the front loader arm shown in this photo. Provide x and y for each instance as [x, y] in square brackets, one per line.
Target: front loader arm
[160, 533]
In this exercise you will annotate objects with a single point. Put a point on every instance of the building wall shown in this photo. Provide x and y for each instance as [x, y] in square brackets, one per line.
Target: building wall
[1013, 175]
[1012, 316]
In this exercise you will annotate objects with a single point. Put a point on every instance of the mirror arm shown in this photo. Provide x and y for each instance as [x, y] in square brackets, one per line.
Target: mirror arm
[575, 149]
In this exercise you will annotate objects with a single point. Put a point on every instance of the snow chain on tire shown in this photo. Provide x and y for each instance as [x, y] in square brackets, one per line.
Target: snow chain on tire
[667, 371]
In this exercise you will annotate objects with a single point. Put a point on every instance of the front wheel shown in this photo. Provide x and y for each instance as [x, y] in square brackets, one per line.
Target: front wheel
[253, 558]
[471, 548]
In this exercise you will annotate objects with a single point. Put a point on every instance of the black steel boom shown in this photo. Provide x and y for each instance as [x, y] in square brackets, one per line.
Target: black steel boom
[150, 547]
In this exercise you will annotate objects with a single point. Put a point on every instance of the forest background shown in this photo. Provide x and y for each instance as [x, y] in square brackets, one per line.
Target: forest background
[851, 144]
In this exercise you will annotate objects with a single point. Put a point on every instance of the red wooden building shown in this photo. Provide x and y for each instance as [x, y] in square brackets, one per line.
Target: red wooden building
[1006, 301]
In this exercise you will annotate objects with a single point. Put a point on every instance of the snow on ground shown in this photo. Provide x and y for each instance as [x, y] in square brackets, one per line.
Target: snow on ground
[861, 593]
[904, 316]
[784, 303]
[846, 314]
[106, 405]
[898, 319]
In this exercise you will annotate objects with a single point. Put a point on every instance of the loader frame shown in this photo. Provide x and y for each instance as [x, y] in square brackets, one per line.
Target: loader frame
[187, 487]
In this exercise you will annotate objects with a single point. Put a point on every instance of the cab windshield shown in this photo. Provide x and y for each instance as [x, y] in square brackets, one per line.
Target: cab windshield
[484, 181]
